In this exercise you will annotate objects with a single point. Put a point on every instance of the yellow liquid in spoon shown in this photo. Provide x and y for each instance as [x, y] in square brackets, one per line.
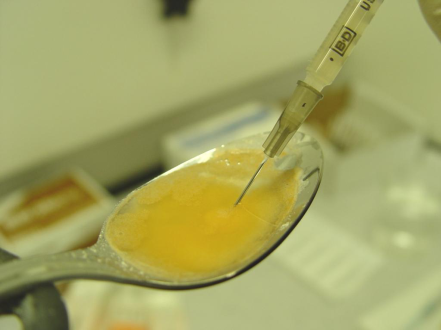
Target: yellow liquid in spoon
[185, 226]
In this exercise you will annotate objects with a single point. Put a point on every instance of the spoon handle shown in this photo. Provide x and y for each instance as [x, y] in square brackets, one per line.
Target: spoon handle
[19, 275]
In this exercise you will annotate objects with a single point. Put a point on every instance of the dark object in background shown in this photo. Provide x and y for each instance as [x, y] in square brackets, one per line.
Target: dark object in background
[41, 308]
[175, 7]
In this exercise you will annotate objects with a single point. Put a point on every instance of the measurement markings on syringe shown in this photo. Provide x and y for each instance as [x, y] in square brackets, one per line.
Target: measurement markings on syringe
[343, 40]
[366, 4]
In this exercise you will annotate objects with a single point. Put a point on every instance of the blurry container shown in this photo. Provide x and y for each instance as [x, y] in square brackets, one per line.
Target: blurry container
[59, 213]
[408, 216]
[109, 306]
[239, 122]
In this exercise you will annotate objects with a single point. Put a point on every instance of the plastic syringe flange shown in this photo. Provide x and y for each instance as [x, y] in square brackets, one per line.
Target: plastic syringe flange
[302, 102]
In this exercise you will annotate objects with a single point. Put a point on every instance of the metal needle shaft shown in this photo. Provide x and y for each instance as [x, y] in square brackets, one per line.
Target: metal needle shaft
[251, 181]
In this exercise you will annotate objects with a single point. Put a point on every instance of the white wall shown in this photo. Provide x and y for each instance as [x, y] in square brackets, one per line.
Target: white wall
[77, 71]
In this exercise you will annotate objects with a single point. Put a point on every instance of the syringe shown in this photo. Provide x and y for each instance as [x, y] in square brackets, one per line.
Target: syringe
[321, 72]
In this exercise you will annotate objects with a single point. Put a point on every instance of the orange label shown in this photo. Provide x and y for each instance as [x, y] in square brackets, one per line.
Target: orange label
[46, 205]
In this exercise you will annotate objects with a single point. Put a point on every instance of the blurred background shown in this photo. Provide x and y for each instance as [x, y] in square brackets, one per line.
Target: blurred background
[98, 97]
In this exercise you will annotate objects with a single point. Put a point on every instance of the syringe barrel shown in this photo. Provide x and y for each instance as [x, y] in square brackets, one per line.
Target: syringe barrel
[322, 71]
[302, 102]
[340, 42]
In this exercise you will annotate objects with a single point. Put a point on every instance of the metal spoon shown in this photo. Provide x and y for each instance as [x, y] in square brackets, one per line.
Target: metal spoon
[101, 262]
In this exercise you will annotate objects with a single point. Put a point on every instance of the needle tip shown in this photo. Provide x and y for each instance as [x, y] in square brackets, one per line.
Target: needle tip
[251, 181]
